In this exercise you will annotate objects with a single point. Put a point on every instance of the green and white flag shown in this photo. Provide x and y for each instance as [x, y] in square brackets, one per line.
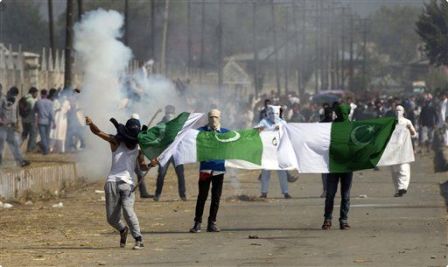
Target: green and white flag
[247, 149]
[348, 146]
[157, 139]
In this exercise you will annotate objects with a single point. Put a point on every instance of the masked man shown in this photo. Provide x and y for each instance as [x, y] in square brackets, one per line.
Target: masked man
[273, 122]
[401, 173]
[210, 172]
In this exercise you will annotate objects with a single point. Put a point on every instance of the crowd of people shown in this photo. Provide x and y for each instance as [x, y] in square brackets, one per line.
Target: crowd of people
[48, 121]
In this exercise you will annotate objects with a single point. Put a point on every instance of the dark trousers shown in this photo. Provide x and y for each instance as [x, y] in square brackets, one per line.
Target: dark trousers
[44, 132]
[180, 178]
[30, 132]
[204, 186]
[332, 187]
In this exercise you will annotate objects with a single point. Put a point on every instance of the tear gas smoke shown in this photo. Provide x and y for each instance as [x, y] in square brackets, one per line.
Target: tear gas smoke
[107, 89]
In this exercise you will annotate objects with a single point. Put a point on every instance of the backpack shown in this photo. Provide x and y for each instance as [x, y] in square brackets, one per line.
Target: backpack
[24, 107]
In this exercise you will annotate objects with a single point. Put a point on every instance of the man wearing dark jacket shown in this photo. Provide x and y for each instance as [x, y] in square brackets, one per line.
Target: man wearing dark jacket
[210, 172]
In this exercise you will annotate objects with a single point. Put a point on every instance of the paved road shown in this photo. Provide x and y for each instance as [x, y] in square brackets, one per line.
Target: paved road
[386, 231]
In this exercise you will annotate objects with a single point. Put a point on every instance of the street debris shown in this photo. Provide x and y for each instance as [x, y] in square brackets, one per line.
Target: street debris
[59, 205]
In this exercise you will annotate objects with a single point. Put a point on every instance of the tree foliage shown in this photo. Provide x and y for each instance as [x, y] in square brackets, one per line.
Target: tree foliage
[432, 27]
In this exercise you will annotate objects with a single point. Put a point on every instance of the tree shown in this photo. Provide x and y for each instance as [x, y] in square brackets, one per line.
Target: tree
[432, 27]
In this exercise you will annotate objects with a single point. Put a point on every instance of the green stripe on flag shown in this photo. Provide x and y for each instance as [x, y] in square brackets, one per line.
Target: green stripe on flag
[156, 139]
[359, 145]
[238, 145]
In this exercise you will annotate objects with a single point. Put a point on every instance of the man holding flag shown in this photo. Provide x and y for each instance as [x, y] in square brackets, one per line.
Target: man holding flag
[210, 172]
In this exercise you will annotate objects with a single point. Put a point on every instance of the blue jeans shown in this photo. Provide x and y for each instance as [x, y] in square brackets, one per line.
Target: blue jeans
[30, 132]
[44, 132]
[282, 178]
[9, 135]
[180, 178]
[332, 188]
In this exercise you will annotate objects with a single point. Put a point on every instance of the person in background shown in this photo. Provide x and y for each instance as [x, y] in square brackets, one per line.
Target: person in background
[401, 173]
[170, 112]
[9, 126]
[26, 113]
[45, 120]
[327, 117]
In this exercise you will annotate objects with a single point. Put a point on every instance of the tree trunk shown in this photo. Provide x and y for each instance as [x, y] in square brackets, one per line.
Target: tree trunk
[152, 35]
[68, 44]
[286, 53]
[255, 47]
[220, 33]
[189, 33]
[126, 22]
[350, 80]
[163, 67]
[51, 29]
[80, 9]
[202, 39]
[274, 37]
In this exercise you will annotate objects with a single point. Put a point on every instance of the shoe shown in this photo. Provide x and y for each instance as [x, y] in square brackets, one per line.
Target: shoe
[183, 198]
[138, 245]
[344, 226]
[156, 198]
[323, 195]
[146, 195]
[264, 195]
[212, 227]
[326, 225]
[24, 163]
[124, 236]
[196, 228]
[287, 196]
[402, 191]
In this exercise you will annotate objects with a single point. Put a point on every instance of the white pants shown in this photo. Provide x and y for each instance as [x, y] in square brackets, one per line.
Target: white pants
[401, 175]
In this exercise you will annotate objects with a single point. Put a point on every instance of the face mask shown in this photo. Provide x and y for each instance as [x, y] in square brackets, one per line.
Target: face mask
[213, 122]
[271, 116]
[399, 113]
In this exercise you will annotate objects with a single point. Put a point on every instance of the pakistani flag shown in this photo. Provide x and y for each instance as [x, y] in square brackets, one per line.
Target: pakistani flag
[158, 138]
[247, 149]
[348, 146]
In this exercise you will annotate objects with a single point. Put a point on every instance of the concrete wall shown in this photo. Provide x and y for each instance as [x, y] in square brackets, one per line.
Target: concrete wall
[13, 183]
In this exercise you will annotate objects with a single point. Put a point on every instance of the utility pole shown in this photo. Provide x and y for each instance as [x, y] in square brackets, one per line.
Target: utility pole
[286, 54]
[220, 61]
[152, 34]
[302, 81]
[316, 46]
[51, 29]
[255, 47]
[343, 50]
[202, 39]
[189, 33]
[80, 9]
[126, 22]
[274, 36]
[163, 67]
[364, 54]
[350, 84]
[298, 55]
[68, 44]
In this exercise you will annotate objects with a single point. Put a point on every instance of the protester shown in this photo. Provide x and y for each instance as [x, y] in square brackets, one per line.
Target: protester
[428, 121]
[210, 172]
[45, 120]
[60, 131]
[170, 112]
[273, 122]
[26, 112]
[9, 126]
[120, 181]
[342, 115]
[401, 173]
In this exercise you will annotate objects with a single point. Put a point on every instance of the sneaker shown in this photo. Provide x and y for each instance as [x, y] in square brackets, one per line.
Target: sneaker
[212, 227]
[24, 163]
[264, 195]
[138, 245]
[403, 191]
[196, 228]
[124, 236]
[146, 195]
[326, 225]
[287, 196]
[156, 198]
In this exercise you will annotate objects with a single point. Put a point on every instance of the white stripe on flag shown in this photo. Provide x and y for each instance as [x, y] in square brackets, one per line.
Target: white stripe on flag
[399, 148]
[192, 122]
[186, 151]
[311, 144]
